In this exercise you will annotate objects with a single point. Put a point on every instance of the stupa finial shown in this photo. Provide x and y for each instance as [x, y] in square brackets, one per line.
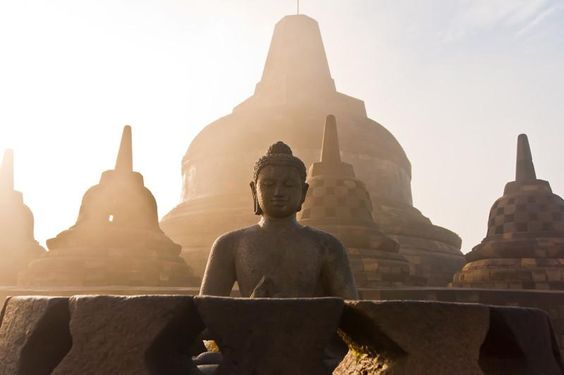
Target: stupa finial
[124, 162]
[525, 170]
[330, 152]
[7, 171]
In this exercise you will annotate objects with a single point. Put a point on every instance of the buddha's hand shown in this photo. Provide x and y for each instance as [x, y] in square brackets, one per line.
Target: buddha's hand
[266, 288]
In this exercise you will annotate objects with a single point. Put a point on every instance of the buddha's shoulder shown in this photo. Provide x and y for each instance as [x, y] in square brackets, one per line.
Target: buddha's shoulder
[322, 237]
[236, 235]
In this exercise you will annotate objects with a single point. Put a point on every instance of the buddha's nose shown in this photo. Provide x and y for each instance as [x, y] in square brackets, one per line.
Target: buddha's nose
[278, 191]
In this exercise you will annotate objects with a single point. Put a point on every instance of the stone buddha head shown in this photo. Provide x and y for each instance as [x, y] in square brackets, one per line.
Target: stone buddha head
[278, 187]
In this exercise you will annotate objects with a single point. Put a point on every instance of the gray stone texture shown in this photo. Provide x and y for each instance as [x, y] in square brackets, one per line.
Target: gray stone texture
[153, 334]
[524, 245]
[413, 337]
[116, 239]
[279, 257]
[271, 336]
[131, 335]
[34, 335]
[550, 301]
[290, 103]
[520, 342]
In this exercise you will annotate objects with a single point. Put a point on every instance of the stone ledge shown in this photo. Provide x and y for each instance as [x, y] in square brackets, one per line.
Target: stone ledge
[151, 335]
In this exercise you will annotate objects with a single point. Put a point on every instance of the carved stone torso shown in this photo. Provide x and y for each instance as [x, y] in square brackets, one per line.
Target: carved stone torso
[292, 260]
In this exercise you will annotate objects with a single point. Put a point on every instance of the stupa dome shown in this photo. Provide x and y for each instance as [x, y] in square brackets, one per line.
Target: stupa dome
[290, 103]
[337, 202]
[17, 243]
[116, 239]
[524, 245]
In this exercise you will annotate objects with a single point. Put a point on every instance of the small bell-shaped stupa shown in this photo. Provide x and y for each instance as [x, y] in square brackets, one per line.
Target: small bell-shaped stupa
[116, 239]
[524, 247]
[339, 203]
[291, 101]
[17, 243]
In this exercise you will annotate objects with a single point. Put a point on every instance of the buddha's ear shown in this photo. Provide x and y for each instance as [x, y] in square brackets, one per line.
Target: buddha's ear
[305, 188]
[257, 209]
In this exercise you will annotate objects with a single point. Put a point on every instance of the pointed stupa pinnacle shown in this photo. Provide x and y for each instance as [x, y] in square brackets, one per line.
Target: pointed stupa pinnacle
[330, 152]
[525, 170]
[297, 57]
[7, 171]
[124, 162]
[331, 163]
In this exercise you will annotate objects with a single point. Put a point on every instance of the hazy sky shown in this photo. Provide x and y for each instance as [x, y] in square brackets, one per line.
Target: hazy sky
[455, 81]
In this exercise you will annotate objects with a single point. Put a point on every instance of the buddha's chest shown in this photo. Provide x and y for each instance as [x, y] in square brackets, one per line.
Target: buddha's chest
[292, 264]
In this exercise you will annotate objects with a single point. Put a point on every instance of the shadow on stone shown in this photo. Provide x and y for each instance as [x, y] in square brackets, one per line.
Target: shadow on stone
[370, 349]
[362, 333]
[131, 335]
[271, 336]
[171, 351]
[34, 335]
[412, 337]
[521, 342]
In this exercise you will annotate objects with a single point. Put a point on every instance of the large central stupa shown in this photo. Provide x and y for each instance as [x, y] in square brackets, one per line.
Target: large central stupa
[290, 103]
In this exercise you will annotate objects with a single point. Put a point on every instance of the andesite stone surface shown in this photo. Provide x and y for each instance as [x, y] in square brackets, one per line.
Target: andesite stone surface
[116, 239]
[520, 342]
[279, 257]
[524, 245]
[153, 334]
[271, 336]
[290, 103]
[17, 243]
[337, 202]
[131, 335]
[34, 335]
[412, 337]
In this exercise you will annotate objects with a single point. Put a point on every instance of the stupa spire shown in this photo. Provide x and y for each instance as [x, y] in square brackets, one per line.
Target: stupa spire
[296, 59]
[525, 169]
[330, 151]
[124, 162]
[331, 163]
[7, 171]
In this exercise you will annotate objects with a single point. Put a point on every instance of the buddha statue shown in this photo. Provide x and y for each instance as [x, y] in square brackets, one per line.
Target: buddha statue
[278, 257]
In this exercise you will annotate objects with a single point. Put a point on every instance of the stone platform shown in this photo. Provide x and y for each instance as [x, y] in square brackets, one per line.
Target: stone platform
[155, 334]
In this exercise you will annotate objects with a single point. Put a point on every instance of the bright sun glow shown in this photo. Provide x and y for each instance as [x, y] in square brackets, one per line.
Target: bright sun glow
[455, 85]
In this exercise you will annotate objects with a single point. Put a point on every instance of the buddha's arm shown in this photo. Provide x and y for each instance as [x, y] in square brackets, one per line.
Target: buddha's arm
[219, 276]
[337, 274]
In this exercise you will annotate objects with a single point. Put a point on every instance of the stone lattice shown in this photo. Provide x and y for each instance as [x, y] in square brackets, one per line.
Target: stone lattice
[339, 203]
[524, 246]
[290, 103]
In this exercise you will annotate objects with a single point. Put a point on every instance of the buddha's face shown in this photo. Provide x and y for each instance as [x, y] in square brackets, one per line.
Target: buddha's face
[279, 190]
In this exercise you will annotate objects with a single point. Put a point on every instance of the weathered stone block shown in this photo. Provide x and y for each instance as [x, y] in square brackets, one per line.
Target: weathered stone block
[131, 335]
[34, 335]
[520, 341]
[271, 336]
[412, 337]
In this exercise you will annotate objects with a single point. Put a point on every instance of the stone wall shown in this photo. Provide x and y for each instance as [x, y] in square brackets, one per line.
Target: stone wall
[551, 301]
[161, 334]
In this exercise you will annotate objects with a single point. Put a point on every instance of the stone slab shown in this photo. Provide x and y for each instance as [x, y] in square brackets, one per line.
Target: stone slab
[34, 335]
[412, 337]
[520, 341]
[271, 336]
[131, 335]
